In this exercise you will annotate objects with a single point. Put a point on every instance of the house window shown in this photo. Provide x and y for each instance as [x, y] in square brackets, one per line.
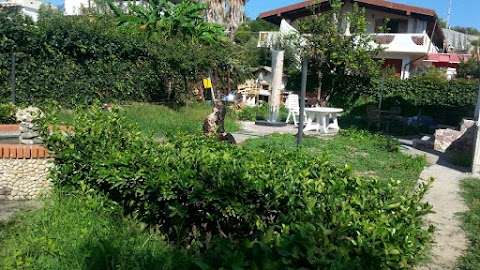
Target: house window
[263, 37]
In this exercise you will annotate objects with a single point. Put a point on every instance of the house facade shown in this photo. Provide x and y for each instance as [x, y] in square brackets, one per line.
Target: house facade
[414, 35]
[27, 7]
[79, 7]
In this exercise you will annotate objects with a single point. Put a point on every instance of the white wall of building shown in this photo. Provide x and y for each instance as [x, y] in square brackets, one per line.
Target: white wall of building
[74, 7]
[28, 7]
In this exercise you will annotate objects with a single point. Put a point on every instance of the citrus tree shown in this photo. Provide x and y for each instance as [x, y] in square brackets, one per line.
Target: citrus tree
[334, 52]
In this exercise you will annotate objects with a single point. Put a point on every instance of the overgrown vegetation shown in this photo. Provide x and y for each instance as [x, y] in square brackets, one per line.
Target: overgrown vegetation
[75, 60]
[241, 207]
[83, 232]
[7, 113]
[369, 155]
[471, 218]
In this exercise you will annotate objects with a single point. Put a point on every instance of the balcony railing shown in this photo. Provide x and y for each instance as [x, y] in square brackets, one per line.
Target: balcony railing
[401, 43]
[406, 43]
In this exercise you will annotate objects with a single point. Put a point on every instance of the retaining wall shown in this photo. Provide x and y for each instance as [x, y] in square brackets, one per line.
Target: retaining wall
[24, 171]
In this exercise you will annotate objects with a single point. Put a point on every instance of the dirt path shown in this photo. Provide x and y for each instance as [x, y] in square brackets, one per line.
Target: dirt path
[8, 208]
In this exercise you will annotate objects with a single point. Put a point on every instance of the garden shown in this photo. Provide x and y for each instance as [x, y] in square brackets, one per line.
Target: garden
[136, 185]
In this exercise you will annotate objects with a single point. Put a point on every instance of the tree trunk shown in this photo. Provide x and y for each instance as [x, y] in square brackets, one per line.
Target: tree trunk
[216, 11]
[319, 89]
[187, 92]
[215, 123]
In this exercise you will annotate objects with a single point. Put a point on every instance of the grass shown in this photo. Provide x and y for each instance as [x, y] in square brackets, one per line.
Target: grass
[160, 120]
[78, 233]
[471, 220]
[368, 155]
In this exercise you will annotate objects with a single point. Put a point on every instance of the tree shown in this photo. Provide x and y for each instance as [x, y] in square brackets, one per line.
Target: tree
[46, 12]
[229, 13]
[168, 19]
[335, 52]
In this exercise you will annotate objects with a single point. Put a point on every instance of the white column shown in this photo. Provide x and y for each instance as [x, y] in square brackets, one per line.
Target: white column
[476, 149]
[277, 74]
[405, 74]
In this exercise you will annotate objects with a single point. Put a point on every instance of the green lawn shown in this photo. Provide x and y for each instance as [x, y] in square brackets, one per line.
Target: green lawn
[471, 221]
[160, 120]
[78, 233]
[368, 155]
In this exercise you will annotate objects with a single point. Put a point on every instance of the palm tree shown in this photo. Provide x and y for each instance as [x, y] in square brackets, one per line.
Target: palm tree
[216, 11]
[235, 15]
[228, 13]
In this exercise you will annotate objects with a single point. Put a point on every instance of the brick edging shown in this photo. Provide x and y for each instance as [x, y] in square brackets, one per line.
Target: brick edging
[19, 151]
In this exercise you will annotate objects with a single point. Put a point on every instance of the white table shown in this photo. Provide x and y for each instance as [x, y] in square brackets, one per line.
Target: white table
[322, 116]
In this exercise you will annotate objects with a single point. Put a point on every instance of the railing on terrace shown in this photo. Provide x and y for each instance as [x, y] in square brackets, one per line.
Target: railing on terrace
[402, 43]
[411, 43]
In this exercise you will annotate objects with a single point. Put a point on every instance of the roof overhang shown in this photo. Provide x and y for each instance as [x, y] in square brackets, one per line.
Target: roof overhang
[306, 8]
[446, 58]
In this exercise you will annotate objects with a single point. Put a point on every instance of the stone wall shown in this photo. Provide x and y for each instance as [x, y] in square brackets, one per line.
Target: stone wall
[24, 171]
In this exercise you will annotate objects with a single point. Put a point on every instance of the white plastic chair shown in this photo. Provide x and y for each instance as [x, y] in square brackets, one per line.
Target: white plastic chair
[293, 106]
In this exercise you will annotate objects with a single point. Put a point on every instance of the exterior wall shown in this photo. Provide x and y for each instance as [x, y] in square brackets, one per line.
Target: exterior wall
[31, 12]
[24, 171]
[74, 7]
[28, 7]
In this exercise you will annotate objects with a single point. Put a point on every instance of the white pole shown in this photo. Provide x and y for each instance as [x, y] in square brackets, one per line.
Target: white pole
[476, 149]
[277, 74]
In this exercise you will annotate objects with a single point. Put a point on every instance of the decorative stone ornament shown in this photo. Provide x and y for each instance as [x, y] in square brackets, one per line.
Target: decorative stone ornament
[28, 130]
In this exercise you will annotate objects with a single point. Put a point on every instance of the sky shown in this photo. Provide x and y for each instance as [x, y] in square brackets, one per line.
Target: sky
[463, 13]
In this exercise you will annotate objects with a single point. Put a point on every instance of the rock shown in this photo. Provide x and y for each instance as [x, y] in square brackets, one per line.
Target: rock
[29, 114]
[23, 141]
[29, 135]
[3, 197]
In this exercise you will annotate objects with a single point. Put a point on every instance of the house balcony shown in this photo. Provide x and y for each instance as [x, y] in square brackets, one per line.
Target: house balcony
[405, 43]
[392, 43]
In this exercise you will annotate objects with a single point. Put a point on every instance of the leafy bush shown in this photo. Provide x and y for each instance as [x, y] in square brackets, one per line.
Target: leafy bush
[426, 94]
[7, 113]
[244, 208]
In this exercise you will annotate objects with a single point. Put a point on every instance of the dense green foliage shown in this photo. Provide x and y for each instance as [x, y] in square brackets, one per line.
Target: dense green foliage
[425, 94]
[471, 218]
[331, 52]
[469, 69]
[75, 60]
[244, 208]
[80, 232]
[7, 113]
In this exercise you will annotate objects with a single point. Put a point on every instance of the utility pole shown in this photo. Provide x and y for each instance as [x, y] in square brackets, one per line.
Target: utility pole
[12, 75]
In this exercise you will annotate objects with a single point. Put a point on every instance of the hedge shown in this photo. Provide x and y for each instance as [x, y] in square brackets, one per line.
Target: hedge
[237, 208]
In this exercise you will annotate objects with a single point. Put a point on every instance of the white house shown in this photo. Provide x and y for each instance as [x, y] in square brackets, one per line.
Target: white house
[415, 33]
[28, 7]
[76, 7]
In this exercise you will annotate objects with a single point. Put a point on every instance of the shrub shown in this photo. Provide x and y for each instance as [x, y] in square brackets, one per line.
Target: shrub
[7, 113]
[244, 208]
